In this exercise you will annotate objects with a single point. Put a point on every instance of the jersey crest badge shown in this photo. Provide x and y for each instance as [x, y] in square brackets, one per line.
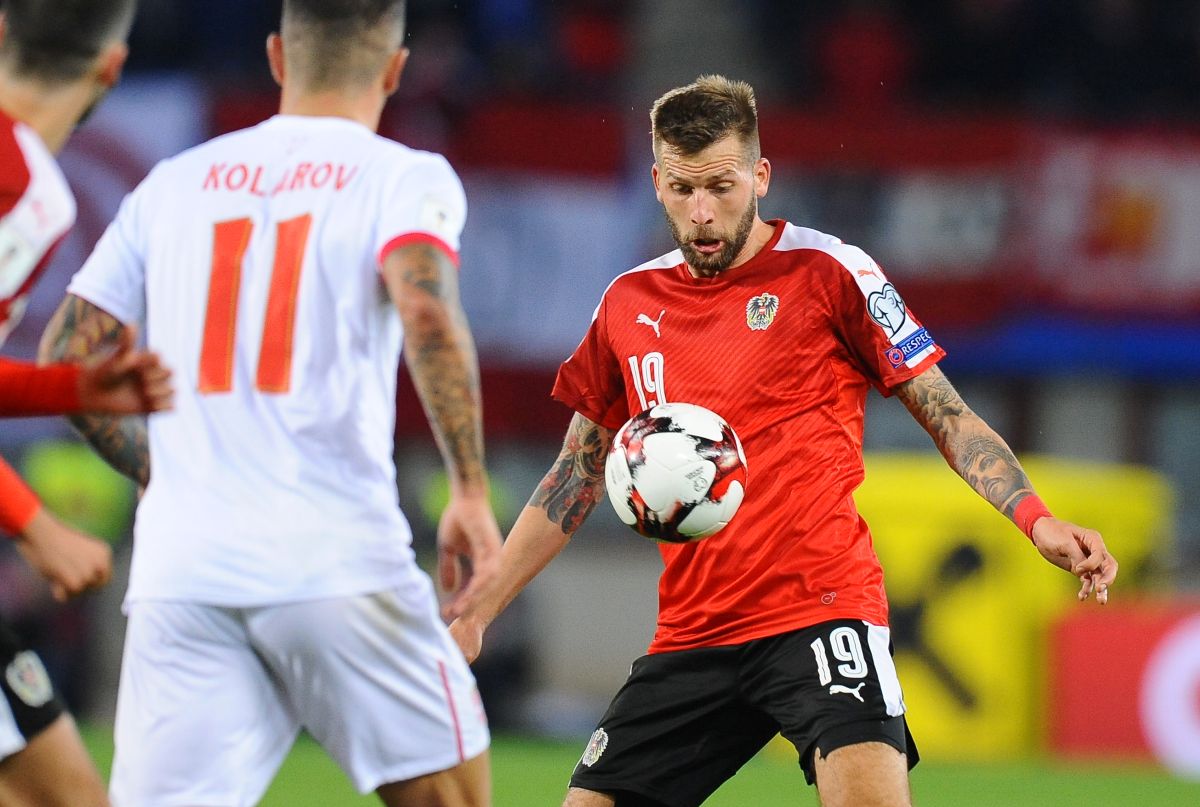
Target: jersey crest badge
[28, 679]
[761, 310]
[595, 747]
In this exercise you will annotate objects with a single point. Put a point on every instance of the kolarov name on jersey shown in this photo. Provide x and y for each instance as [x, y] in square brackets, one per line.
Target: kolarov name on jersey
[301, 176]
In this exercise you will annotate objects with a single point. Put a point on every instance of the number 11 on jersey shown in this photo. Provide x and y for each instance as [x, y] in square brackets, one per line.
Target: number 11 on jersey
[230, 240]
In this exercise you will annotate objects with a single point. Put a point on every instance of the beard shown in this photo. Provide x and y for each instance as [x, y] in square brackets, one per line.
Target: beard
[709, 265]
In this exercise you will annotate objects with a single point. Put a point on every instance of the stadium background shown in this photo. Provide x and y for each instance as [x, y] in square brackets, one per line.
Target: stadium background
[1027, 173]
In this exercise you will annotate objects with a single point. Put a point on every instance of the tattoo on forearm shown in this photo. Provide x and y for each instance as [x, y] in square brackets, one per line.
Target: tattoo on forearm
[442, 363]
[990, 467]
[969, 445]
[77, 331]
[574, 485]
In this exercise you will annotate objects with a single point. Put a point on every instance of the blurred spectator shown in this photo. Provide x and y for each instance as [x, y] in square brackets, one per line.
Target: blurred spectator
[977, 54]
[593, 47]
[1103, 58]
[866, 57]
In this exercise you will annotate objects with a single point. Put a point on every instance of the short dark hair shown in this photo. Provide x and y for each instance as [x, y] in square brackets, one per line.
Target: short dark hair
[712, 107]
[341, 42]
[57, 40]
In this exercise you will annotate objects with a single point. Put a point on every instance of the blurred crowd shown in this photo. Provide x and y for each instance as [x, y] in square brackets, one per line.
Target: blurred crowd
[1117, 61]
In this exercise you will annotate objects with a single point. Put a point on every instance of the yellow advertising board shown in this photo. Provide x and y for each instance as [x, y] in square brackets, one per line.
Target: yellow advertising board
[971, 598]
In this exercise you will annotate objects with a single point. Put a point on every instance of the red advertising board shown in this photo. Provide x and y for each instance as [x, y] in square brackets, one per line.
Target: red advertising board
[1124, 682]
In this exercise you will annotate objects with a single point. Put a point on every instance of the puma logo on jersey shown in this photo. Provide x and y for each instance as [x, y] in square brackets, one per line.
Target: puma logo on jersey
[838, 689]
[642, 319]
[868, 272]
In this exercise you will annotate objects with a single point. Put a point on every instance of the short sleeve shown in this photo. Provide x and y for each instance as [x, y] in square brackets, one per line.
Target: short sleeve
[880, 331]
[114, 275]
[425, 203]
[590, 380]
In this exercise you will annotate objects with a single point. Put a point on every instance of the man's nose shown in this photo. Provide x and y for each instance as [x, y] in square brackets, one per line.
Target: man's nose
[702, 211]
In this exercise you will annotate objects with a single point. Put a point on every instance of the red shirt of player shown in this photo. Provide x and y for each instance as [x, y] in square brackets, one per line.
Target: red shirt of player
[784, 347]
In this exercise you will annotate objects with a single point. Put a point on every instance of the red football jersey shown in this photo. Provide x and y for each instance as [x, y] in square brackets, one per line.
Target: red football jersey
[784, 347]
[36, 211]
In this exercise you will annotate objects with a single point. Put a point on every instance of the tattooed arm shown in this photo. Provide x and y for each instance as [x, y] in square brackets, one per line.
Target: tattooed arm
[567, 494]
[440, 354]
[984, 460]
[79, 332]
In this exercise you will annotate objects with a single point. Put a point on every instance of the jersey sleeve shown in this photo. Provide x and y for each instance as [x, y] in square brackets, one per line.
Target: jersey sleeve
[18, 504]
[590, 380]
[426, 204]
[114, 275]
[28, 390]
[882, 334]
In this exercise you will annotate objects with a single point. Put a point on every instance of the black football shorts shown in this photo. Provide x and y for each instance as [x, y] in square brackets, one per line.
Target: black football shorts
[30, 703]
[684, 722]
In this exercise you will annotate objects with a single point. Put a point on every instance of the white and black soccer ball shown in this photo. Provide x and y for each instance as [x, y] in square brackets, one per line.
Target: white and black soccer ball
[676, 472]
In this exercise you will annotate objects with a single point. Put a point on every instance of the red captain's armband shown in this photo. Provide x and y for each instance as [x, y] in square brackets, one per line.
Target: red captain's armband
[1027, 513]
[18, 504]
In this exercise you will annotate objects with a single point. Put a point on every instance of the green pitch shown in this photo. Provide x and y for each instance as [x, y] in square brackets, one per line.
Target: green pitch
[533, 773]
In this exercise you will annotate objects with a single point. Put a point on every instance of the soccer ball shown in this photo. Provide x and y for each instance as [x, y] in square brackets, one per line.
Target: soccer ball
[676, 473]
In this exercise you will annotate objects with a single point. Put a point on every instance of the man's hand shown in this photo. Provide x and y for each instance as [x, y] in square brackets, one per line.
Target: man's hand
[468, 551]
[71, 561]
[468, 633]
[1078, 550]
[127, 381]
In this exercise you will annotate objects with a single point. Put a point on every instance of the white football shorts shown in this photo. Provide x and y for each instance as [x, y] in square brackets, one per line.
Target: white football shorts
[212, 698]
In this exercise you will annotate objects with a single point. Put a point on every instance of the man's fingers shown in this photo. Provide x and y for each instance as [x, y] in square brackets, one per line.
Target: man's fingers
[127, 339]
[461, 603]
[448, 570]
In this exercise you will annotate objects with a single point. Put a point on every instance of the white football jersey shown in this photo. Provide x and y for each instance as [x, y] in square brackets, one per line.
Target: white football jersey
[253, 261]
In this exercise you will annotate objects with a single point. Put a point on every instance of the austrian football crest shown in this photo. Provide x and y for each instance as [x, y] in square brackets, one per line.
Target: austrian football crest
[761, 310]
[28, 679]
[595, 748]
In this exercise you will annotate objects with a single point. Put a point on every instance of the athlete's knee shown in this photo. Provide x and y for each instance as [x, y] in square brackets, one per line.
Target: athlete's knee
[53, 770]
[578, 797]
[467, 784]
[871, 774]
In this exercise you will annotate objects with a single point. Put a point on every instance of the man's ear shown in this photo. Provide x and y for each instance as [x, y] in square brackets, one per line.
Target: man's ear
[655, 176]
[110, 63]
[395, 66]
[762, 177]
[275, 57]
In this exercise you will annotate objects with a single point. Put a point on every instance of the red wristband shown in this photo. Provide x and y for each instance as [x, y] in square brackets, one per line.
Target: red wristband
[27, 389]
[1027, 513]
[18, 504]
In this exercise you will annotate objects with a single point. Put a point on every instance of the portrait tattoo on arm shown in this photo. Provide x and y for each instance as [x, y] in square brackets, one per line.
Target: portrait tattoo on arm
[78, 331]
[970, 446]
[574, 485]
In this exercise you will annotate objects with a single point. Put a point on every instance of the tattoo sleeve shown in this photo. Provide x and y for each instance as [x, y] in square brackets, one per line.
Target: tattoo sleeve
[970, 446]
[76, 332]
[440, 354]
[574, 485]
